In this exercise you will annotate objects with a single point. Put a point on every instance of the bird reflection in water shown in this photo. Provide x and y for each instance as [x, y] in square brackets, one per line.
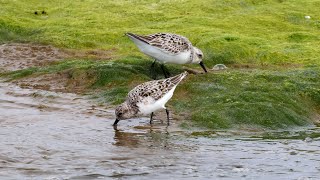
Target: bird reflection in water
[143, 136]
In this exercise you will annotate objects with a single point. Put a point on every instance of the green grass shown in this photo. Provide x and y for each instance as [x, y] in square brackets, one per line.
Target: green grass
[265, 98]
[268, 34]
[232, 31]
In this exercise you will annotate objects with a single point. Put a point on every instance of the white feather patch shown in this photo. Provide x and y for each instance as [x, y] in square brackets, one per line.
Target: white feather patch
[181, 58]
[149, 105]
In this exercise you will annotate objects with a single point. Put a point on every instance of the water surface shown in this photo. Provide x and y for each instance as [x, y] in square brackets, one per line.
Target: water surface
[46, 135]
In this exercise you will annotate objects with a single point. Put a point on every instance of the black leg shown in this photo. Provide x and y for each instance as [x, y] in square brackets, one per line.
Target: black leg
[165, 71]
[167, 111]
[168, 73]
[152, 70]
[151, 118]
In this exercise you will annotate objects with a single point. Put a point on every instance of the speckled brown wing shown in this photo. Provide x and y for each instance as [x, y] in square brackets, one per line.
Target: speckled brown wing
[155, 89]
[167, 42]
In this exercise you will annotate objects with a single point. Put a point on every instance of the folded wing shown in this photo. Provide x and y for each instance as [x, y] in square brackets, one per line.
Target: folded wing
[154, 89]
[169, 43]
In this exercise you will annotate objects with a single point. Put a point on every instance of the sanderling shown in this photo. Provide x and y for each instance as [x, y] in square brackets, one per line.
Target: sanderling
[147, 98]
[168, 48]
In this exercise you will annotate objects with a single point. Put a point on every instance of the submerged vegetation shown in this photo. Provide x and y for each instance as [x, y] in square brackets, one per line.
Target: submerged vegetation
[271, 48]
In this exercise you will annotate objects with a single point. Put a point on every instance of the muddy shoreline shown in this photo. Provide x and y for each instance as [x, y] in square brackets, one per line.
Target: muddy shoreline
[17, 56]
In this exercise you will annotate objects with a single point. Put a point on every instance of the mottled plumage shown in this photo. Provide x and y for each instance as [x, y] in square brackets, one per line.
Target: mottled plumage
[169, 43]
[148, 97]
[155, 89]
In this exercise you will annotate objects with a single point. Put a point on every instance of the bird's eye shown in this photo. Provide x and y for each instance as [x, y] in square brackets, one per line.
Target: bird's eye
[200, 55]
[120, 113]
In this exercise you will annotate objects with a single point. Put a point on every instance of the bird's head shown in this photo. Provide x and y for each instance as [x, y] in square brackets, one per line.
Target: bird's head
[123, 111]
[198, 58]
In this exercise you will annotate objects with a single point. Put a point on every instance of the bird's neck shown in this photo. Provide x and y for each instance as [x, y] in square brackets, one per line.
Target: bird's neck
[131, 107]
[192, 54]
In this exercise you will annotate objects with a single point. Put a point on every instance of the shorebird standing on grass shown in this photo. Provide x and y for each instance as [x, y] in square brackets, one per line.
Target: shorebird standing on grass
[168, 48]
[147, 98]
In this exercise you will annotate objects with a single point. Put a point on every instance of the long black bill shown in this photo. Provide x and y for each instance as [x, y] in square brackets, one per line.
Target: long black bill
[203, 67]
[116, 122]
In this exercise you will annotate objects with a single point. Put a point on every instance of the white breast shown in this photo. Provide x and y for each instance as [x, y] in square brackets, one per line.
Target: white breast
[149, 105]
[181, 58]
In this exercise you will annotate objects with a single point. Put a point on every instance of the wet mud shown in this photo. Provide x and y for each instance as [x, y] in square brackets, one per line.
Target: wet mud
[21, 56]
[17, 56]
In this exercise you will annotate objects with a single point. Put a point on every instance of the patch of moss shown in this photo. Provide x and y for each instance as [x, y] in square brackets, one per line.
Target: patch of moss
[262, 98]
[19, 74]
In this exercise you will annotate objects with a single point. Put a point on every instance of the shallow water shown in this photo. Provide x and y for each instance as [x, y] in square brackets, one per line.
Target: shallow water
[46, 135]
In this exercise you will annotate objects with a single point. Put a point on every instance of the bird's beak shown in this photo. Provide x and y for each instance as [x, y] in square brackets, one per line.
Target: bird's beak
[203, 67]
[116, 122]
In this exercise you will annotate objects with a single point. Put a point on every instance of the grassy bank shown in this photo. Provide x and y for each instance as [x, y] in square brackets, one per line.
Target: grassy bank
[252, 98]
[232, 31]
[273, 37]
[235, 98]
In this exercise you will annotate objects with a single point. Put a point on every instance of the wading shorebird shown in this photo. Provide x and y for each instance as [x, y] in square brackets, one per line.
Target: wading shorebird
[147, 98]
[168, 48]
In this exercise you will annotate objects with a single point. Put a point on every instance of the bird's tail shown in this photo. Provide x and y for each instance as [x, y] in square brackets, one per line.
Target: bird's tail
[139, 37]
[178, 78]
